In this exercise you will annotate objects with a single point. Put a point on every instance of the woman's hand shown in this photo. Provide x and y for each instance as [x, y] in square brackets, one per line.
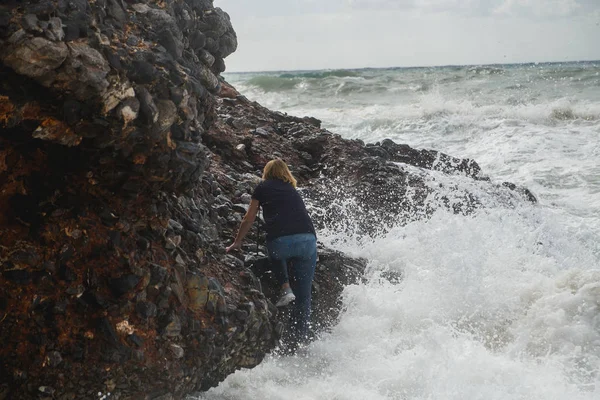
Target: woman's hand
[234, 246]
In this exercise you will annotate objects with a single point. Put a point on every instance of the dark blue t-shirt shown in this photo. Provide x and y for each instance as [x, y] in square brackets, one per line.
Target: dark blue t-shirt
[283, 209]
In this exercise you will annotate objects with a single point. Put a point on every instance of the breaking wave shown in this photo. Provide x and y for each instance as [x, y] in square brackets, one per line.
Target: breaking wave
[503, 303]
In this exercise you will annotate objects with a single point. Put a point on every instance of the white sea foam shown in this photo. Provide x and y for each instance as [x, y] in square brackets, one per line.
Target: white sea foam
[503, 304]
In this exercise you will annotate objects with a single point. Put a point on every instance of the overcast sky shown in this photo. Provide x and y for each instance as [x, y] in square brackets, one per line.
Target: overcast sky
[322, 34]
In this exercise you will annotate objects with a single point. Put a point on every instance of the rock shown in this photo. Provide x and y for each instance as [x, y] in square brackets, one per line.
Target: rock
[53, 359]
[261, 132]
[28, 257]
[140, 8]
[133, 40]
[49, 390]
[176, 351]
[173, 242]
[124, 284]
[215, 302]
[192, 225]
[197, 292]
[142, 72]
[158, 274]
[164, 397]
[242, 315]
[167, 114]
[135, 340]
[197, 42]
[147, 107]
[55, 131]
[160, 18]
[170, 42]
[54, 30]
[36, 58]
[526, 193]
[19, 276]
[214, 285]
[84, 72]
[128, 110]
[115, 11]
[206, 58]
[246, 198]
[227, 45]
[146, 309]
[172, 328]
[234, 261]
[176, 226]
[208, 79]
[31, 23]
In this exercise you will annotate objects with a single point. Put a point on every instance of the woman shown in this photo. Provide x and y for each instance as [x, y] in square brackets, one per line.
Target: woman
[290, 237]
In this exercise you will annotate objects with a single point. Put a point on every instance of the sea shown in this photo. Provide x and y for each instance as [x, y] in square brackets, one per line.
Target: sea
[503, 304]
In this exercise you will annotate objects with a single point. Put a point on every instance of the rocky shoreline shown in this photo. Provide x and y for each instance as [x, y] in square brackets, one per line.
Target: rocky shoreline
[125, 166]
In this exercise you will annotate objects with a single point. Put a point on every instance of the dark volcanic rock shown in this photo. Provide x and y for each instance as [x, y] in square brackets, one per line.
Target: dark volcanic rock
[100, 162]
[124, 284]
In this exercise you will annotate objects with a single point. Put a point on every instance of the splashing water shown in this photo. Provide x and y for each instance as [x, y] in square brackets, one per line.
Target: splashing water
[487, 308]
[500, 304]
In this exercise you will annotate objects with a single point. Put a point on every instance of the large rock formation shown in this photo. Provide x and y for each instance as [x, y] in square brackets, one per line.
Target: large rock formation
[112, 280]
[125, 165]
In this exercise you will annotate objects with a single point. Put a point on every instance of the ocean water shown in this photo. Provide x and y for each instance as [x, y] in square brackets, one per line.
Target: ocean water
[503, 304]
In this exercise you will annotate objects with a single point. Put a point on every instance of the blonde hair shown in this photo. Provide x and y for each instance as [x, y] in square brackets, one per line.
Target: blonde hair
[278, 169]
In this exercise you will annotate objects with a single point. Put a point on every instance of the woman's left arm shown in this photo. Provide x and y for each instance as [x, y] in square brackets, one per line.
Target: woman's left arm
[245, 225]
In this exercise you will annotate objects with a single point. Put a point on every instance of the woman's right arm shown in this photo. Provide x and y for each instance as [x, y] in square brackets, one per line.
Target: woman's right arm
[245, 225]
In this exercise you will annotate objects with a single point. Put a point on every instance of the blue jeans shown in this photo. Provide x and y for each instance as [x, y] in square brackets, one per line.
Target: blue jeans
[301, 250]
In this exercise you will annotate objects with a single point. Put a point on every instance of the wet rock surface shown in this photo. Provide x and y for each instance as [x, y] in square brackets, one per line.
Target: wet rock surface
[126, 164]
[373, 184]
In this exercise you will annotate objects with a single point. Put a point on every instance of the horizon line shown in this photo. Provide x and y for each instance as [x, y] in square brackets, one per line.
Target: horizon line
[415, 66]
